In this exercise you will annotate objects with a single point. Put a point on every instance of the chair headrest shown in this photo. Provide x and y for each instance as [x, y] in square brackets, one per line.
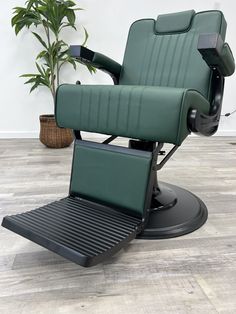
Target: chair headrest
[174, 22]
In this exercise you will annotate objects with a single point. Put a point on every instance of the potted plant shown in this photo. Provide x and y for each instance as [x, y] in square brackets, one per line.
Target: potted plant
[47, 19]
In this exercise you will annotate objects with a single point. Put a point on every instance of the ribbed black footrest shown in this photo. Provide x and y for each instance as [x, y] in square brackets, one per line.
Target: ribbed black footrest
[83, 232]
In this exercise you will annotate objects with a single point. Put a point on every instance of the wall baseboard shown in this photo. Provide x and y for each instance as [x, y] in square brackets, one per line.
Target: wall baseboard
[35, 134]
[226, 133]
[6, 135]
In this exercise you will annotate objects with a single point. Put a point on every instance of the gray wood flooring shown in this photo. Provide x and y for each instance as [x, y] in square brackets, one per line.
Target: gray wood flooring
[195, 273]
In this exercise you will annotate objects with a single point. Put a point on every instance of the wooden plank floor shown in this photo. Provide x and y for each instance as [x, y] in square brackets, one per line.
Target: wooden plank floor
[195, 273]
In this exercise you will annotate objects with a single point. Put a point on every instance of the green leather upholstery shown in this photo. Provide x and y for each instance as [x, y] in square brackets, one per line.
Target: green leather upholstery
[143, 112]
[170, 59]
[226, 62]
[111, 175]
[163, 76]
[174, 22]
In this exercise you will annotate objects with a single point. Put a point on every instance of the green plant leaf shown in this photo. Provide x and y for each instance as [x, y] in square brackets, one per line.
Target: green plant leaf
[86, 36]
[27, 75]
[42, 54]
[72, 62]
[34, 86]
[40, 40]
[70, 14]
[32, 80]
[18, 28]
[40, 69]
[91, 68]
[50, 17]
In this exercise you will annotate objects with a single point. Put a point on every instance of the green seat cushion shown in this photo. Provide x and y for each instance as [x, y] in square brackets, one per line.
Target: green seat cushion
[143, 112]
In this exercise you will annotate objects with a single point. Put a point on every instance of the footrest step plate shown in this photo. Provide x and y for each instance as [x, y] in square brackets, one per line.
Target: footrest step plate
[81, 231]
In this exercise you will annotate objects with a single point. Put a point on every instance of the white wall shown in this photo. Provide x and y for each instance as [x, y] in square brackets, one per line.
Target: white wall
[107, 22]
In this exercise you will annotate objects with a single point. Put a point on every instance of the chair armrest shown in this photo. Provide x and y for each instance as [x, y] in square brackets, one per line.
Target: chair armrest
[216, 53]
[219, 58]
[97, 60]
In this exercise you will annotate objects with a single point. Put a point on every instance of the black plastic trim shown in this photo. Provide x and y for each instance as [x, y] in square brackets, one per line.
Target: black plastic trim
[185, 215]
[207, 124]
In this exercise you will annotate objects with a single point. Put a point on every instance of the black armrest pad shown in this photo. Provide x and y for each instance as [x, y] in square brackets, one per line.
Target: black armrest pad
[216, 53]
[97, 60]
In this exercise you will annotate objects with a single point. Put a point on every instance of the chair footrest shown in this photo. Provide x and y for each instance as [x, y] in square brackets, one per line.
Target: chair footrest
[81, 231]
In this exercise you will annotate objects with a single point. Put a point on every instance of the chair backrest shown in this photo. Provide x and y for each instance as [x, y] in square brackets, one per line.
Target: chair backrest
[163, 52]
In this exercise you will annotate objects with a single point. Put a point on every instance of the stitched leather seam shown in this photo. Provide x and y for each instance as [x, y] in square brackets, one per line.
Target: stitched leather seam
[188, 58]
[157, 61]
[172, 60]
[165, 60]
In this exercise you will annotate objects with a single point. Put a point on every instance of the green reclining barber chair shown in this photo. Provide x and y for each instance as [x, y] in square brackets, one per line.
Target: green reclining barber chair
[170, 84]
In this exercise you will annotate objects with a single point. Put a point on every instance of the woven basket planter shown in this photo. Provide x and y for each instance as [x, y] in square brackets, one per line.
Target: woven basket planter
[51, 135]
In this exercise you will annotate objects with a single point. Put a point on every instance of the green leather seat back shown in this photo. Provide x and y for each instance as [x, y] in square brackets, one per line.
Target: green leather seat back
[164, 52]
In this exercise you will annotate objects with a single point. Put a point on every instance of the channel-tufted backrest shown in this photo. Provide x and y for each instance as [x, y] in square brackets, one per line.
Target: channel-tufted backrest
[164, 52]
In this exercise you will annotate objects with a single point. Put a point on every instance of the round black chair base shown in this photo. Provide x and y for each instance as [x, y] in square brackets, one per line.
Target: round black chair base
[186, 215]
